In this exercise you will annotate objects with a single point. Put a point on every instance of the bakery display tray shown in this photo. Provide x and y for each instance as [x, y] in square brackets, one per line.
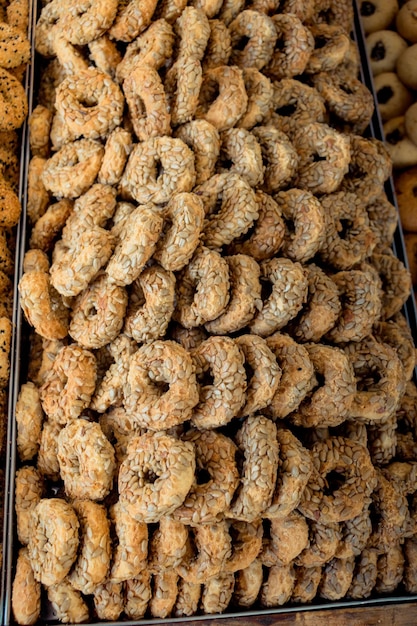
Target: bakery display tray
[18, 360]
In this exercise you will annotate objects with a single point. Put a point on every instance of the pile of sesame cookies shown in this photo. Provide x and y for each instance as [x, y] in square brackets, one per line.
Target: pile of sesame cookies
[220, 369]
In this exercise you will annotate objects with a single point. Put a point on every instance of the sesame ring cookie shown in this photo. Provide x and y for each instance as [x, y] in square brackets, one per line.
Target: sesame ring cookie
[108, 600]
[279, 156]
[215, 455]
[86, 460]
[336, 578]
[67, 603]
[331, 148]
[321, 310]
[92, 209]
[383, 220]
[109, 387]
[328, 403]
[183, 222]
[164, 593]
[116, 152]
[204, 140]
[71, 171]
[265, 237]
[141, 179]
[13, 102]
[77, 262]
[217, 593]
[355, 534]
[48, 227]
[137, 593]
[189, 338]
[83, 20]
[288, 536]
[288, 292]
[212, 549]
[258, 443]
[193, 31]
[98, 313]
[294, 45]
[377, 395]
[253, 37]
[223, 99]
[303, 9]
[43, 306]
[53, 540]
[290, 482]
[230, 207]
[29, 489]
[248, 583]
[259, 90]
[396, 282]
[230, 9]
[307, 580]
[131, 550]
[265, 373]
[297, 376]
[242, 154]
[47, 461]
[26, 591]
[348, 238]
[202, 288]
[346, 499]
[90, 103]
[131, 20]
[331, 44]
[69, 385]
[156, 475]
[364, 575]
[182, 84]
[167, 544]
[222, 398]
[153, 367]
[46, 27]
[294, 104]
[346, 97]
[245, 293]
[305, 224]
[93, 560]
[360, 297]
[276, 590]
[219, 46]
[397, 334]
[39, 122]
[152, 48]
[151, 304]
[246, 544]
[14, 46]
[104, 54]
[29, 418]
[369, 168]
[136, 244]
[390, 510]
[10, 207]
[147, 102]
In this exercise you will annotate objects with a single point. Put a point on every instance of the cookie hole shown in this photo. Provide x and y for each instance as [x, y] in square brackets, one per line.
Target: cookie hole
[286, 110]
[367, 9]
[203, 476]
[394, 137]
[334, 480]
[378, 52]
[242, 43]
[384, 94]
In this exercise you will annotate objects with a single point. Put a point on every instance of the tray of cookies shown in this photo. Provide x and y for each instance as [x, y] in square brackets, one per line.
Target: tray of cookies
[214, 390]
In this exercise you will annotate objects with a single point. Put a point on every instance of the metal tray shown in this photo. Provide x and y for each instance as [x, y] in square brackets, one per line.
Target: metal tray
[254, 616]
